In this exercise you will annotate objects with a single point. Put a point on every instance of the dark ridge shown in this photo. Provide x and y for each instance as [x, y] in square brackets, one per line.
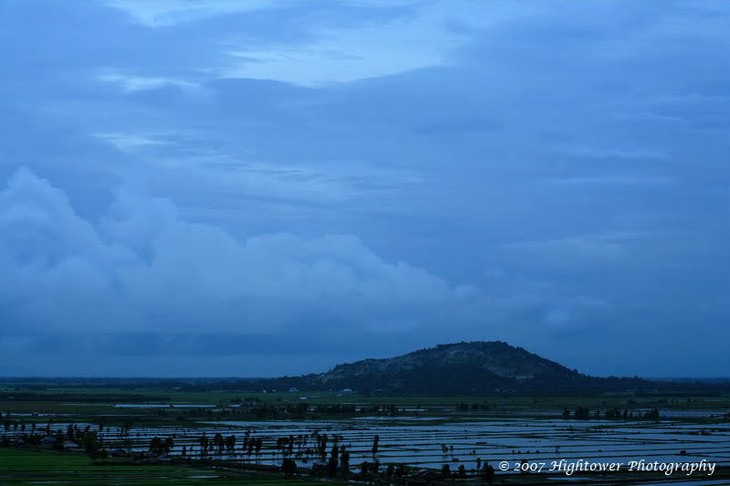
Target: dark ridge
[466, 368]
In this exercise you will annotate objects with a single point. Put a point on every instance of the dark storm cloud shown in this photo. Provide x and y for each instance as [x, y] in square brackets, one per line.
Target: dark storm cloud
[188, 184]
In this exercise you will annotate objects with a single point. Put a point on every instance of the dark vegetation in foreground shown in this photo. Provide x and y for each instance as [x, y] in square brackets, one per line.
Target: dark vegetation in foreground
[27, 466]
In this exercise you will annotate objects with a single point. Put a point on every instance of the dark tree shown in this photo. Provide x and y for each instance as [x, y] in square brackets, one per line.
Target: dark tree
[168, 444]
[345, 461]
[156, 445]
[259, 444]
[231, 443]
[203, 444]
[488, 473]
[219, 442]
[332, 465]
[376, 440]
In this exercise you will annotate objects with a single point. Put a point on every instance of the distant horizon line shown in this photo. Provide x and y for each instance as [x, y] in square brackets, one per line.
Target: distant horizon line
[253, 378]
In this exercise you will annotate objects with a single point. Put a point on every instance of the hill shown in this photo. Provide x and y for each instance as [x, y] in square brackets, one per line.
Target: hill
[460, 368]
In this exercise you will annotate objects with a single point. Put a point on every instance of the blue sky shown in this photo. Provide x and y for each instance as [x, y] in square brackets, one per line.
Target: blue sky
[256, 188]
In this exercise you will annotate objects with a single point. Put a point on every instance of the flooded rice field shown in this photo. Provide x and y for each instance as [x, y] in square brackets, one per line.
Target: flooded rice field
[431, 443]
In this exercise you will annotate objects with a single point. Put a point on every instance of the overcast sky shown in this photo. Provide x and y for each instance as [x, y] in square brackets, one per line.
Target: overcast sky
[250, 188]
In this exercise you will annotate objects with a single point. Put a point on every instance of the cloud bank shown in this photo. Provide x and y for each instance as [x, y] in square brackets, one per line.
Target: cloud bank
[142, 268]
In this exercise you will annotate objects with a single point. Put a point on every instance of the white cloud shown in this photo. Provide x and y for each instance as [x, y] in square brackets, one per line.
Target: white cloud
[173, 12]
[143, 268]
[131, 142]
[576, 251]
[237, 174]
[615, 153]
[426, 38]
[130, 83]
[343, 56]
[610, 181]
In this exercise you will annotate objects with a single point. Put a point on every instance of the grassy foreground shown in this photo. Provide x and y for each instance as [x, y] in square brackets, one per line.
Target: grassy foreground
[20, 466]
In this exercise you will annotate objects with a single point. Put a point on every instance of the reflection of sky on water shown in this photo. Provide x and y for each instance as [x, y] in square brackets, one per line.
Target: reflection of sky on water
[421, 444]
